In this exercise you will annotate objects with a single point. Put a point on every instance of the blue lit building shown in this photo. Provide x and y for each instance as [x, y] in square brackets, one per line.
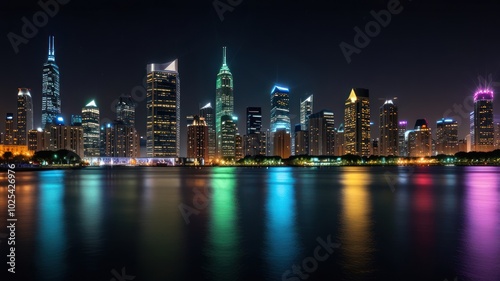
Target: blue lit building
[51, 99]
[280, 109]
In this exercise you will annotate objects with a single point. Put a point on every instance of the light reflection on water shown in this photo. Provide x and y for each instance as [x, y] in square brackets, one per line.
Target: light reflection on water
[436, 223]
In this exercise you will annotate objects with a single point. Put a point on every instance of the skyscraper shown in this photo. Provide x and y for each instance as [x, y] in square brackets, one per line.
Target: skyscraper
[51, 99]
[306, 109]
[24, 115]
[419, 140]
[253, 139]
[197, 138]
[339, 141]
[281, 143]
[484, 132]
[301, 146]
[280, 109]
[447, 136]
[402, 126]
[125, 111]
[357, 123]
[389, 138]
[163, 110]
[207, 112]
[9, 129]
[228, 136]
[91, 133]
[224, 100]
[321, 133]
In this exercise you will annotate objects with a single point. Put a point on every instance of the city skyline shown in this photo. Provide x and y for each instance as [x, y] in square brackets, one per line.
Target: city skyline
[258, 69]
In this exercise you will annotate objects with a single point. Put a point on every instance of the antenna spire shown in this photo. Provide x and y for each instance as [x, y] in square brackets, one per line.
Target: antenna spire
[223, 55]
[52, 55]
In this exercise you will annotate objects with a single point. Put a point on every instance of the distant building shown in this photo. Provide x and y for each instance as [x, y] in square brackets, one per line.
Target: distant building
[280, 109]
[402, 127]
[39, 140]
[51, 98]
[238, 147]
[197, 138]
[357, 123]
[253, 140]
[462, 145]
[389, 131]
[301, 140]
[9, 129]
[119, 140]
[76, 120]
[306, 109]
[163, 110]
[497, 135]
[24, 115]
[125, 111]
[228, 135]
[339, 141]
[91, 133]
[321, 133]
[208, 113]
[447, 136]
[281, 143]
[484, 132]
[68, 137]
[419, 140]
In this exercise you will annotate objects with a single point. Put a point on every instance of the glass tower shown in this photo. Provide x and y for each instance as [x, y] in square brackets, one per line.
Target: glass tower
[91, 132]
[224, 100]
[24, 115]
[306, 109]
[51, 99]
[207, 112]
[280, 109]
[163, 110]
[125, 111]
[484, 132]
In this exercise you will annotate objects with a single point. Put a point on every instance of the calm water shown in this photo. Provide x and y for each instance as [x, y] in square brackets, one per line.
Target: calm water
[430, 223]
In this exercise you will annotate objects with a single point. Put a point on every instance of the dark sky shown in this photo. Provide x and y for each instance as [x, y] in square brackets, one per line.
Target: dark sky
[429, 55]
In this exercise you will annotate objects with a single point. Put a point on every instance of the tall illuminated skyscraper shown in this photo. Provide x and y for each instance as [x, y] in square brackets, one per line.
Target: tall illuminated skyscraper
[51, 99]
[224, 100]
[419, 140]
[207, 112]
[357, 123]
[484, 132]
[389, 138]
[402, 127]
[306, 109]
[447, 136]
[163, 110]
[280, 109]
[91, 132]
[197, 138]
[228, 136]
[24, 115]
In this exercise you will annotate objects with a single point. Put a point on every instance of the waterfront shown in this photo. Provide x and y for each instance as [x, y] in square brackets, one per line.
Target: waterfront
[227, 223]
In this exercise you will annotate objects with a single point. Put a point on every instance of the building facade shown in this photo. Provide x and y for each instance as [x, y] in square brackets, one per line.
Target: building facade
[321, 133]
[357, 123]
[484, 132]
[24, 115]
[280, 109]
[197, 138]
[91, 132]
[419, 140]
[446, 136]
[163, 110]
[51, 98]
[224, 100]
[389, 131]
[10, 133]
[207, 112]
[306, 109]
[281, 143]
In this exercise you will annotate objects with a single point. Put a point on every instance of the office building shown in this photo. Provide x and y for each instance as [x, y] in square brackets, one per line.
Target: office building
[125, 111]
[301, 140]
[119, 139]
[224, 100]
[207, 112]
[281, 143]
[484, 132]
[447, 136]
[402, 127]
[339, 141]
[280, 109]
[163, 110]
[321, 133]
[24, 115]
[197, 138]
[51, 99]
[357, 123]
[228, 135]
[389, 132]
[91, 133]
[419, 140]
[306, 109]
[10, 137]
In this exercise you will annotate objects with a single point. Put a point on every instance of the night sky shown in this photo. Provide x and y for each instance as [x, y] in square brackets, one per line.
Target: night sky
[430, 54]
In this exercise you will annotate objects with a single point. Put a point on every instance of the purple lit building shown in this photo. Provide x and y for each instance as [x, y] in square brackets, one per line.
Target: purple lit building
[484, 133]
